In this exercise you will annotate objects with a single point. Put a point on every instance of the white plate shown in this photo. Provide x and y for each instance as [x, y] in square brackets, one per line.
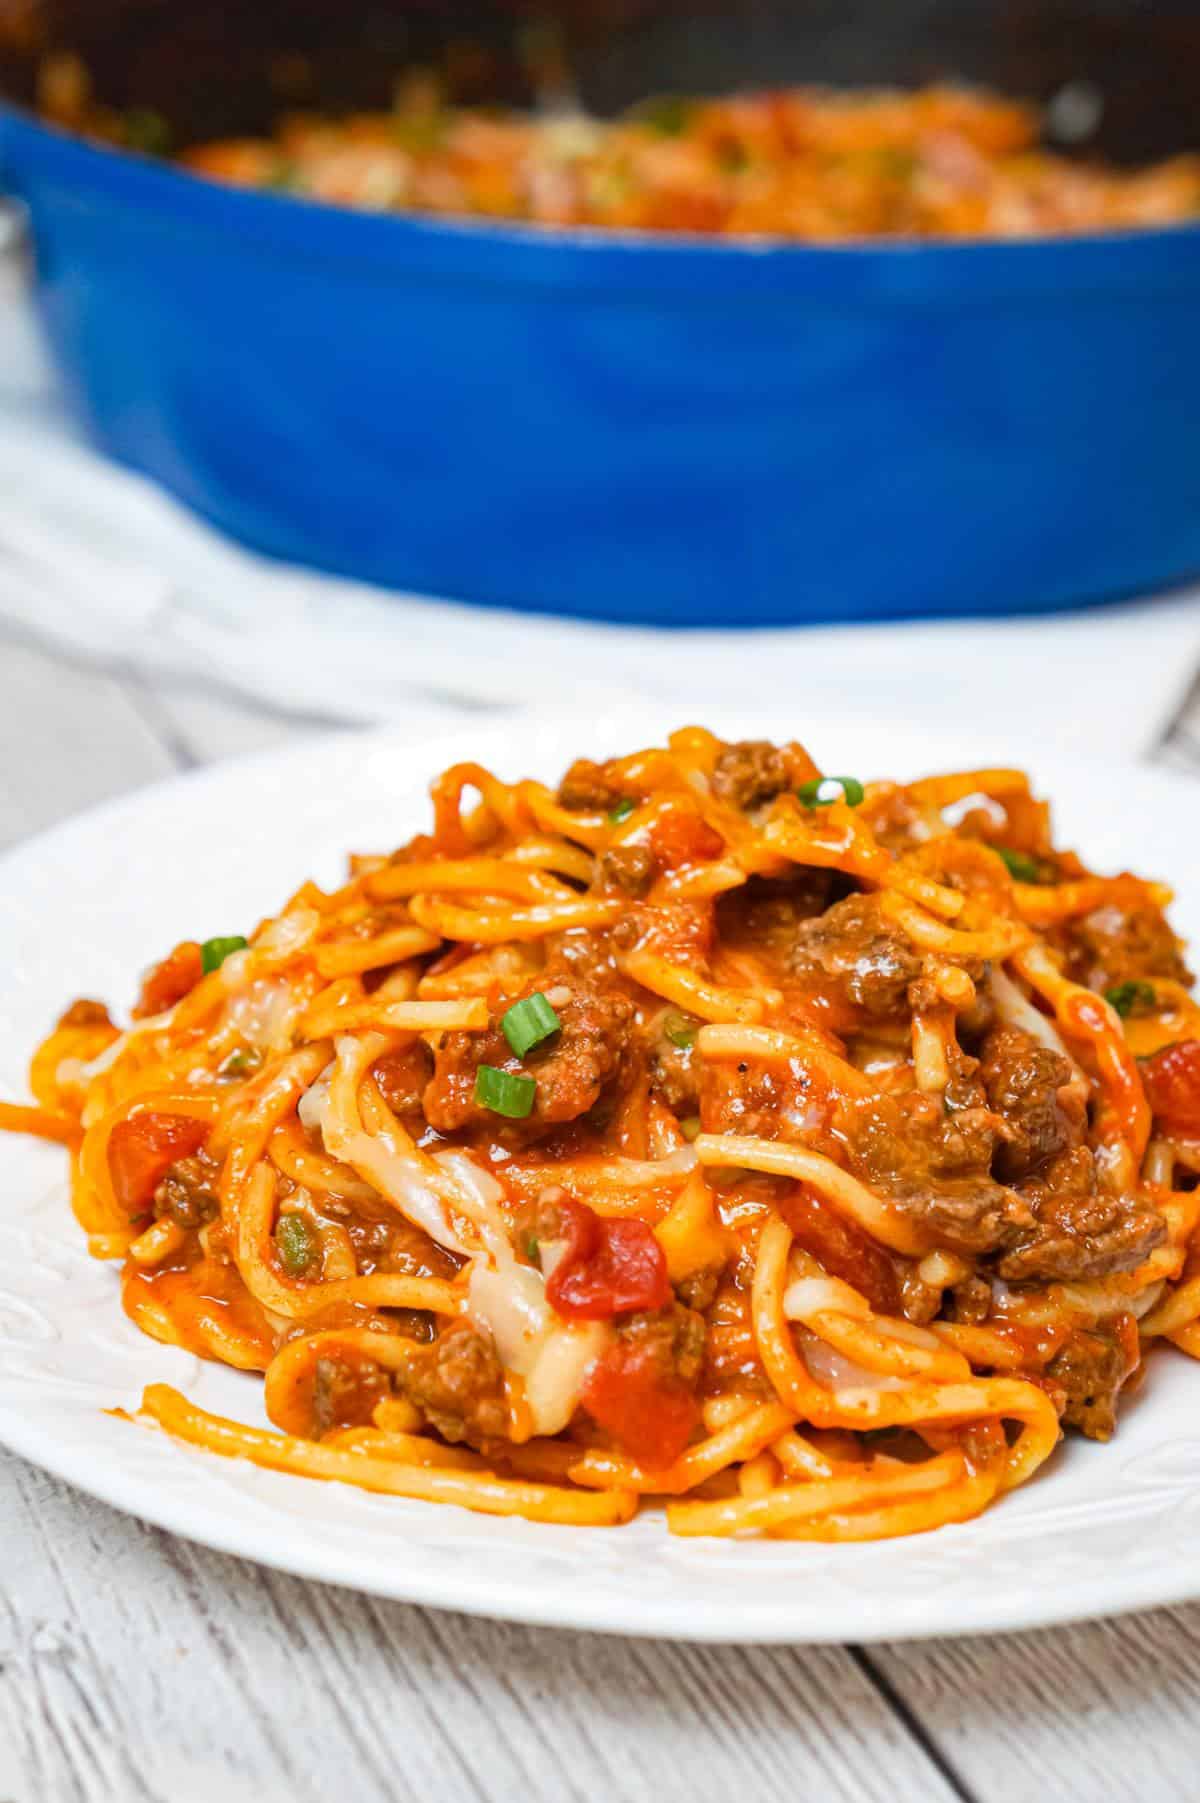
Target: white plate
[84, 908]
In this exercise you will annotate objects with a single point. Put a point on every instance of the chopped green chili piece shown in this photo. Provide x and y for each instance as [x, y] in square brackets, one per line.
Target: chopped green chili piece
[419, 131]
[532, 1247]
[690, 1127]
[214, 952]
[1131, 998]
[504, 1093]
[282, 177]
[1021, 867]
[146, 130]
[240, 1063]
[680, 1031]
[622, 811]
[296, 1243]
[528, 1022]
[823, 790]
[895, 165]
[665, 113]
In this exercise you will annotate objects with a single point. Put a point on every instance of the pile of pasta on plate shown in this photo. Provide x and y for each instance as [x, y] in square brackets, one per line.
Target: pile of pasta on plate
[805, 1150]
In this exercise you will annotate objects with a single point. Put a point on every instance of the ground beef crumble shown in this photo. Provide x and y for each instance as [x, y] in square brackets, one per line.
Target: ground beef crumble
[1026, 1083]
[674, 1337]
[1080, 1231]
[854, 944]
[572, 1067]
[1090, 1370]
[588, 786]
[751, 772]
[458, 1384]
[345, 1392]
[628, 867]
[187, 1194]
[1118, 945]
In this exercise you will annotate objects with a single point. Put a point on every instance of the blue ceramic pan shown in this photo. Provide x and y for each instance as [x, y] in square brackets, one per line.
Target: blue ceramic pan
[683, 432]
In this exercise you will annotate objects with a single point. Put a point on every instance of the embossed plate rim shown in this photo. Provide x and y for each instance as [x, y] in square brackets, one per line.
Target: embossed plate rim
[1107, 1529]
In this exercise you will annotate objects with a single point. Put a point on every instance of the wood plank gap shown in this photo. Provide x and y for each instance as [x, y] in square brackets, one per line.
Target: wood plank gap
[187, 1562]
[442, 1633]
[318, 1623]
[1178, 733]
[45, 644]
[251, 701]
[70, 737]
[391, 1648]
[122, 669]
[104, 1756]
[912, 1724]
[150, 710]
[1184, 737]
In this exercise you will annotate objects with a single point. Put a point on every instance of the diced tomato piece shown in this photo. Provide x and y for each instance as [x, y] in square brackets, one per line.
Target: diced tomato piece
[607, 1267]
[649, 1415]
[141, 1150]
[681, 837]
[841, 1248]
[1171, 1080]
[167, 983]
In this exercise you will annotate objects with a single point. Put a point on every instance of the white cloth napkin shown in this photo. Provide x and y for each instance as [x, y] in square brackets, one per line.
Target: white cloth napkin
[100, 563]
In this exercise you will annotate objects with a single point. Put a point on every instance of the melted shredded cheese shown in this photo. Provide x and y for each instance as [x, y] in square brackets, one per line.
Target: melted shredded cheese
[550, 1355]
[809, 1296]
[383, 1160]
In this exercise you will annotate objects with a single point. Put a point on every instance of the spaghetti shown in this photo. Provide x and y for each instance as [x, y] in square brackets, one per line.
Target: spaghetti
[801, 1151]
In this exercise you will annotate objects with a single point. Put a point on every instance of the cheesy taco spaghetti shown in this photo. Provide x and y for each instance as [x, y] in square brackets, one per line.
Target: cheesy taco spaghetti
[807, 165]
[802, 1150]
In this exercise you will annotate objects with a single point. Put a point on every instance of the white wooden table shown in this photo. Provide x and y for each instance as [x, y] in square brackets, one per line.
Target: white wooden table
[136, 1668]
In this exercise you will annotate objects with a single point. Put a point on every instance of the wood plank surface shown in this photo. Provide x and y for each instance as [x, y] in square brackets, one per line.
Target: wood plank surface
[1105, 1710]
[136, 1666]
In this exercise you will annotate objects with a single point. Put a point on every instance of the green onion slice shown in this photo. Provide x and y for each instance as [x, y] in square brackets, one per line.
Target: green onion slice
[1021, 867]
[528, 1022]
[145, 129]
[680, 1031]
[825, 789]
[504, 1093]
[1131, 998]
[296, 1243]
[667, 114]
[622, 811]
[214, 952]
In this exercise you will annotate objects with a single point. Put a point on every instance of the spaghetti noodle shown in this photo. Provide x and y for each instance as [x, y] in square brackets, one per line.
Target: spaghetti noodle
[801, 1151]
